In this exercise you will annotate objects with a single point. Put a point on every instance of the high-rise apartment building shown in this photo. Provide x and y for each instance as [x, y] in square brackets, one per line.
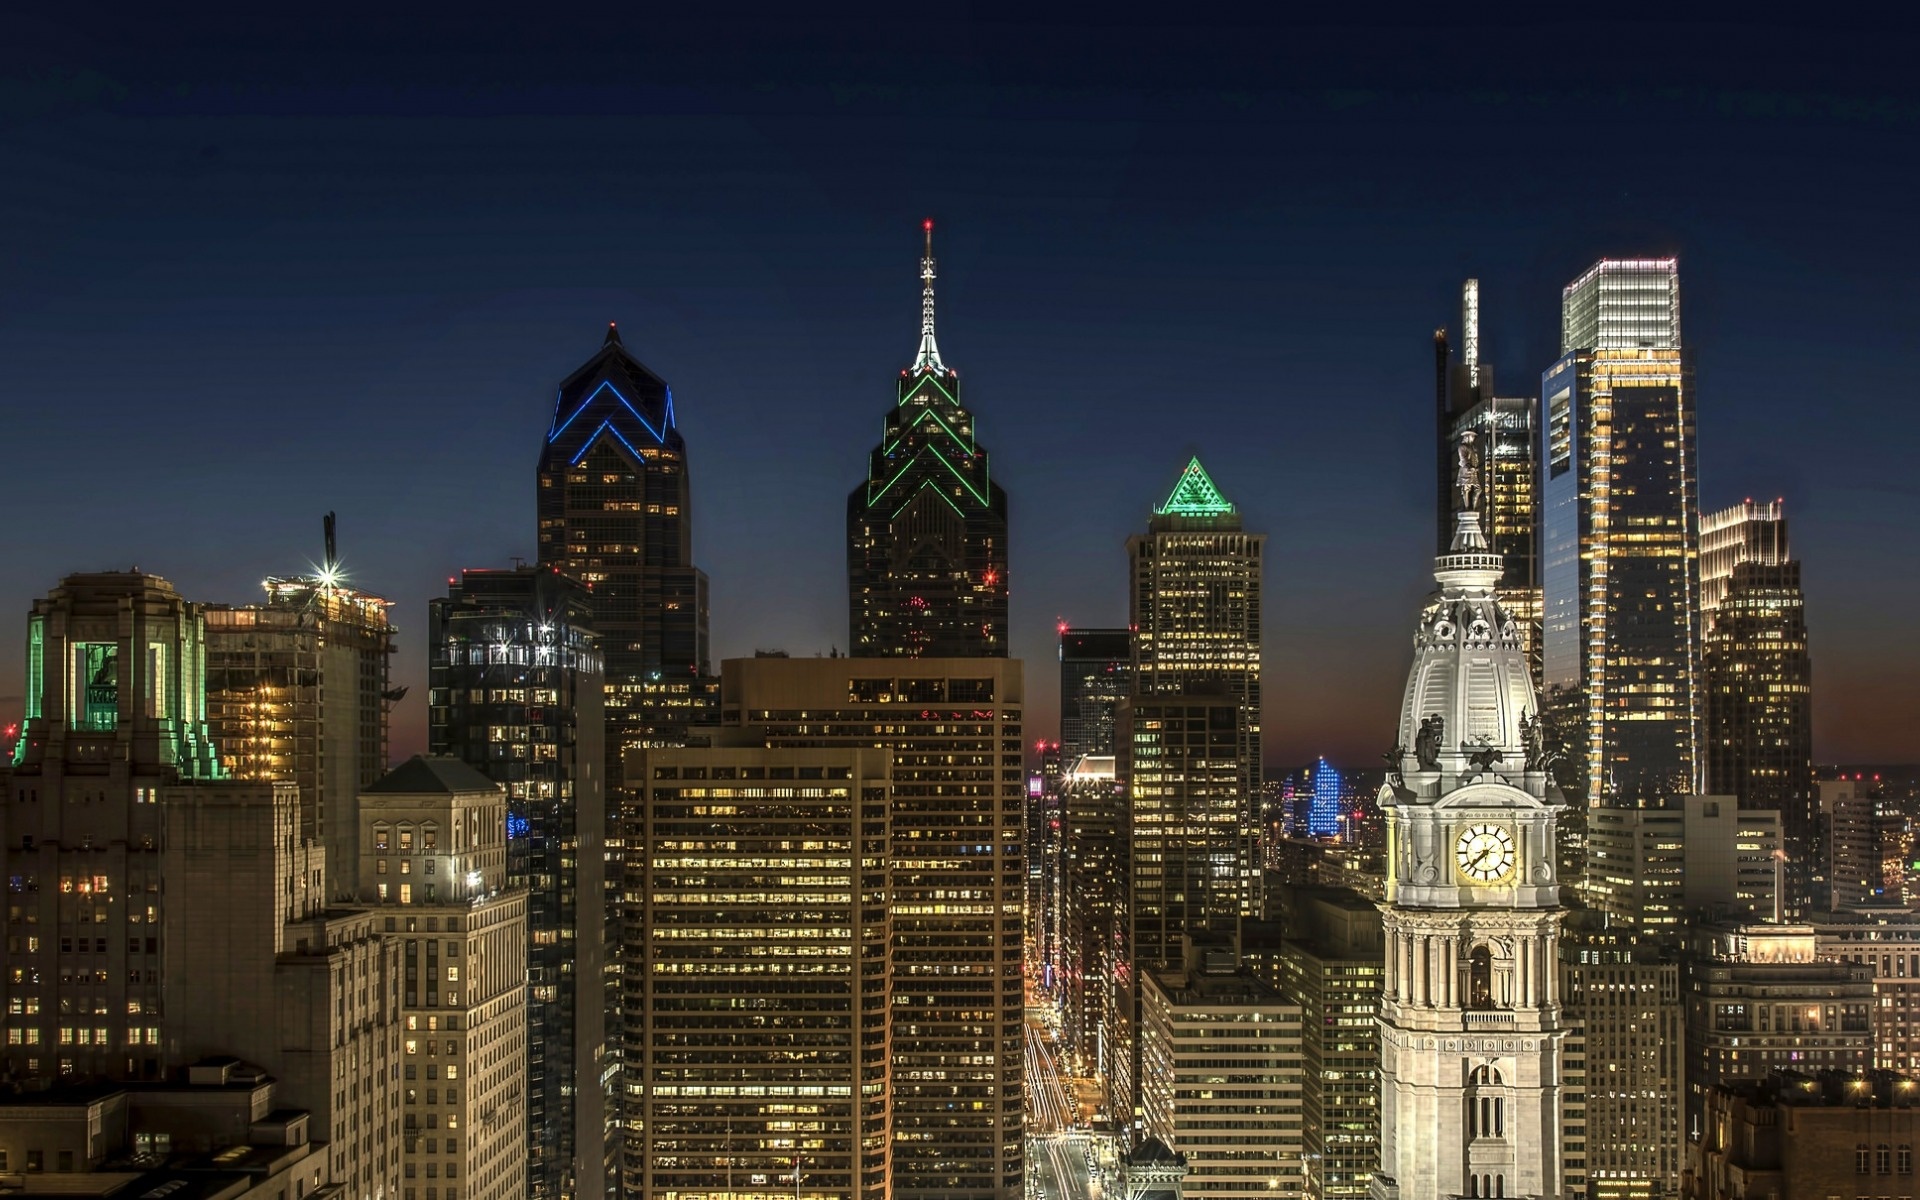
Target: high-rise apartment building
[1330, 962]
[115, 717]
[1649, 868]
[616, 513]
[433, 853]
[1471, 1031]
[516, 693]
[758, 1010]
[1222, 1075]
[1195, 605]
[957, 881]
[297, 689]
[1096, 675]
[1620, 533]
[927, 529]
[1191, 836]
[1860, 828]
[1759, 679]
[1759, 997]
[1623, 1065]
[1504, 447]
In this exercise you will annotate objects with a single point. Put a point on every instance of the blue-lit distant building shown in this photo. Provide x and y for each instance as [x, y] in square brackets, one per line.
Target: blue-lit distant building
[1323, 817]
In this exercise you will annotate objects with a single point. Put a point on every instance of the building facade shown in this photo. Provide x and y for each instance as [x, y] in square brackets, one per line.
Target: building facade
[1095, 929]
[1795, 1133]
[516, 693]
[1222, 1076]
[759, 1013]
[1620, 533]
[1649, 868]
[1759, 680]
[927, 529]
[1471, 1094]
[957, 880]
[1885, 938]
[297, 689]
[1096, 675]
[433, 848]
[1195, 605]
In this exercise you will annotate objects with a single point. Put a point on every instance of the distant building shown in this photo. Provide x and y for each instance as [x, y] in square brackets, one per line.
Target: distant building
[1623, 1063]
[1758, 998]
[1759, 680]
[758, 1033]
[1222, 1076]
[1793, 1133]
[927, 530]
[1647, 868]
[1885, 938]
[517, 687]
[297, 690]
[1096, 984]
[1858, 827]
[1620, 533]
[1096, 675]
[433, 846]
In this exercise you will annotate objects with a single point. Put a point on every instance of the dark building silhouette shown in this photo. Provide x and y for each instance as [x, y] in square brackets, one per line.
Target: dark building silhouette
[1096, 673]
[927, 531]
[516, 692]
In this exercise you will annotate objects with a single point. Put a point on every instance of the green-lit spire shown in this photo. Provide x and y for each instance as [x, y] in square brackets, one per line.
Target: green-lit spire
[1195, 496]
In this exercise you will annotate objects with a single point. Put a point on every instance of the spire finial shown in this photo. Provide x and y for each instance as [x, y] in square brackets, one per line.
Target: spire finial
[929, 356]
[613, 334]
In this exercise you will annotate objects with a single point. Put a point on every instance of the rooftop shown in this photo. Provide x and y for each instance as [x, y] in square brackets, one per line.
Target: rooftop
[422, 775]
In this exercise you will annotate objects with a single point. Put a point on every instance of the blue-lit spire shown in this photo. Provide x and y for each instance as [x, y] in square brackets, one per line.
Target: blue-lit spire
[929, 357]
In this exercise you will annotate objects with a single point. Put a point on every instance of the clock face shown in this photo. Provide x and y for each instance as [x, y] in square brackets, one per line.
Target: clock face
[1485, 853]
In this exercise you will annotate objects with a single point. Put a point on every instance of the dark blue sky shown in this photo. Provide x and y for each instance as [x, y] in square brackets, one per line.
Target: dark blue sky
[252, 271]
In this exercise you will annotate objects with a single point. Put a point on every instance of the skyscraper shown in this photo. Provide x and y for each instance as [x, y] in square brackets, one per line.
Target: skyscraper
[297, 690]
[1195, 605]
[1759, 680]
[615, 509]
[927, 530]
[1505, 442]
[759, 1029]
[1620, 549]
[957, 877]
[1096, 674]
[516, 694]
[1470, 1032]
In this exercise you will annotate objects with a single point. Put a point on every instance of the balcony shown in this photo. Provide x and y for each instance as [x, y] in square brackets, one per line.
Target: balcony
[1486, 1019]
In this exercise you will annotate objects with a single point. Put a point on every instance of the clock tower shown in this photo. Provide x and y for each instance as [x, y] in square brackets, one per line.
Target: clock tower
[1470, 1027]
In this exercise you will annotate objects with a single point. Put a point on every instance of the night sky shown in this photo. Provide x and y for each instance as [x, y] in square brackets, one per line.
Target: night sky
[252, 271]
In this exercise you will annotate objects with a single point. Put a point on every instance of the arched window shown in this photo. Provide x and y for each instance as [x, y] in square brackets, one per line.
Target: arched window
[1480, 978]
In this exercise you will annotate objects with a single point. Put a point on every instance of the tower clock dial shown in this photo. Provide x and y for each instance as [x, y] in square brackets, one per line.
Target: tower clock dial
[1485, 853]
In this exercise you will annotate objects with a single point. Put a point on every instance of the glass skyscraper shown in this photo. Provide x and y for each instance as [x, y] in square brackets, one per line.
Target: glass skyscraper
[1759, 680]
[1620, 549]
[1096, 673]
[927, 530]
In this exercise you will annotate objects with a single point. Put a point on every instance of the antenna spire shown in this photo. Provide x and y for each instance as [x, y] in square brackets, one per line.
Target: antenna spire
[929, 356]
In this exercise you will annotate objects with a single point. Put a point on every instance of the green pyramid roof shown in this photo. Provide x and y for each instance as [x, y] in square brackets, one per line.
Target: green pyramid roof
[1195, 496]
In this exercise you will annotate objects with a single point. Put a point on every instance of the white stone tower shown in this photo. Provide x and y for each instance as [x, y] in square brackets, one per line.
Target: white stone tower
[1470, 1030]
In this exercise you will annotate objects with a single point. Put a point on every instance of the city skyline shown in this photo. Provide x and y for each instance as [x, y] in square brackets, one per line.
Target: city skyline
[439, 320]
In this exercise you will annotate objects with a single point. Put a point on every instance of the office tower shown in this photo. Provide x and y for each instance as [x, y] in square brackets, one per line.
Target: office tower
[1195, 605]
[1648, 868]
[1191, 838]
[1620, 533]
[1470, 1030]
[758, 1027]
[1096, 674]
[516, 689]
[115, 716]
[297, 689]
[1330, 963]
[1094, 926]
[1620, 997]
[1759, 997]
[956, 878]
[1885, 937]
[1759, 679]
[1792, 1133]
[433, 850]
[1222, 1075]
[1504, 445]
[1323, 815]
[616, 512]
[927, 530]
[257, 966]
[1859, 827]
